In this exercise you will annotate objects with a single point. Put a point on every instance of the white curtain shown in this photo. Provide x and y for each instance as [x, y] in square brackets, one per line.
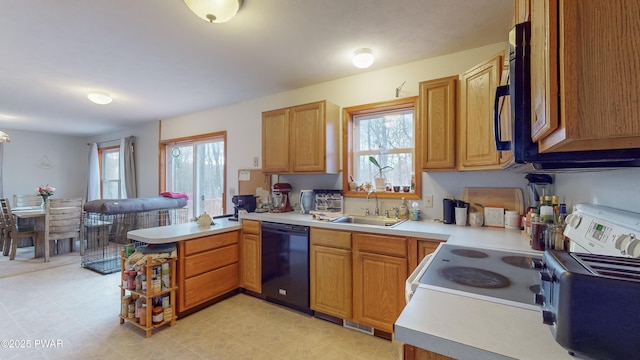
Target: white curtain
[128, 184]
[93, 189]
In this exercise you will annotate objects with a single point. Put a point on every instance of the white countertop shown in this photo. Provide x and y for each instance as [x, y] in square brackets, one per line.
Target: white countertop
[457, 326]
[178, 232]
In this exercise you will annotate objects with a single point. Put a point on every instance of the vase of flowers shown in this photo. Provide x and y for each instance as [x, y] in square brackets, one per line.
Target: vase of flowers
[45, 192]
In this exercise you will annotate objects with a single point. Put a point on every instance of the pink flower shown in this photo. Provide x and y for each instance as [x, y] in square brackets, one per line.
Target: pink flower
[45, 190]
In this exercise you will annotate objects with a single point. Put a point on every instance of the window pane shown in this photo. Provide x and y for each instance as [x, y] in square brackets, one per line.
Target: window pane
[388, 136]
[197, 169]
[111, 173]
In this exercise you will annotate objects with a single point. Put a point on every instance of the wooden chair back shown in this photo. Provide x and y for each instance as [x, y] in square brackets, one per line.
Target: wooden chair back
[20, 200]
[63, 219]
[10, 231]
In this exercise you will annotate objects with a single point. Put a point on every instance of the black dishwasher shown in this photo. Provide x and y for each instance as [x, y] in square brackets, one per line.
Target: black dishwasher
[285, 265]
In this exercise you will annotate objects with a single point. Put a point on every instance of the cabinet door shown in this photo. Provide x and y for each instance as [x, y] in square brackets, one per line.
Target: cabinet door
[426, 247]
[330, 272]
[597, 66]
[544, 77]
[275, 141]
[476, 146]
[437, 112]
[378, 289]
[307, 137]
[250, 263]
[416, 353]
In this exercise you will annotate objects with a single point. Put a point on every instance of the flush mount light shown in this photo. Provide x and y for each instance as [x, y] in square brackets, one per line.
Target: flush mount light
[362, 58]
[4, 137]
[100, 99]
[215, 11]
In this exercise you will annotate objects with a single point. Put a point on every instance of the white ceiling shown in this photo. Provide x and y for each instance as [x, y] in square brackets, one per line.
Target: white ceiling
[159, 60]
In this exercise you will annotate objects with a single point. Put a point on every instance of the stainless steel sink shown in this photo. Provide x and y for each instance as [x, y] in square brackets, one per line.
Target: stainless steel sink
[368, 220]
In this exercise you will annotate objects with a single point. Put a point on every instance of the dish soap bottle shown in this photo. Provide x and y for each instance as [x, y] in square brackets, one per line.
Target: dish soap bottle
[404, 210]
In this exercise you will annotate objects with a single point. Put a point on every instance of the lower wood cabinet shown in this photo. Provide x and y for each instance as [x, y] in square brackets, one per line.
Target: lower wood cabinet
[380, 269]
[208, 268]
[410, 352]
[331, 272]
[251, 256]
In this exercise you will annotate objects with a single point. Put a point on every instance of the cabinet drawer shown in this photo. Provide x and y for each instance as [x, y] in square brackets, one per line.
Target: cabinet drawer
[251, 227]
[207, 286]
[381, 244]
[331, 238]
[210, 242]
[210, 260]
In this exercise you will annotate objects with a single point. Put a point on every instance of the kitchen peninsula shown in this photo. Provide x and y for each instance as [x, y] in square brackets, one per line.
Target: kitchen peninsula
[208, 260]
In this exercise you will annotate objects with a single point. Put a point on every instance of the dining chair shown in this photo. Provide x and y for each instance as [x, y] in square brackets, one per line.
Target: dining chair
[11, 232]
[24, 200]
[62, 221]
[20, 200]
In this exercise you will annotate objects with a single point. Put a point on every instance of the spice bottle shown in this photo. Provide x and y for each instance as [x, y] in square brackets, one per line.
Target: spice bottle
[144, 283]
[131, 280]
[143, 315]
[157, 315]
[139, 281]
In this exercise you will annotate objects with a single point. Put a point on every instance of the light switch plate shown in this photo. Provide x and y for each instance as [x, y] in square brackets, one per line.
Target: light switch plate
[428, 201]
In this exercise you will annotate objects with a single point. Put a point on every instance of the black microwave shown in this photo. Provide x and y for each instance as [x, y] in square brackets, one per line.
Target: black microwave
[525, 151]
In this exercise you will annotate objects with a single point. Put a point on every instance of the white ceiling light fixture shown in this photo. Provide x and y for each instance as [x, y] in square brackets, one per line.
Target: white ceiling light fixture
[99, 98]
[4, 137]
[214, 11]
[362, 58]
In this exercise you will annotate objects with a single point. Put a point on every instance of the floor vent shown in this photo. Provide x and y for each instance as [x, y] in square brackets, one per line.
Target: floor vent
[358, 327]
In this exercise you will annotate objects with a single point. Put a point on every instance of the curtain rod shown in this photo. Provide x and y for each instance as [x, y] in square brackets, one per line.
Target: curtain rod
[108, 141]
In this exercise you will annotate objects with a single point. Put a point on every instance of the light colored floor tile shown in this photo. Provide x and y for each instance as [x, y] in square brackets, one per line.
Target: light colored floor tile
[78, 308]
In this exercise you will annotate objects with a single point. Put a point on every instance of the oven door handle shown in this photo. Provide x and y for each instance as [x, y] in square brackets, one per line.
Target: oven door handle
[414, 279]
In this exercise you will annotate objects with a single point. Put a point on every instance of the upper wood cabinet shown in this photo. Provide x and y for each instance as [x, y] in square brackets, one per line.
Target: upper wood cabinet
[437, 116]
[476, 145]
[301, 139]
[585, 87]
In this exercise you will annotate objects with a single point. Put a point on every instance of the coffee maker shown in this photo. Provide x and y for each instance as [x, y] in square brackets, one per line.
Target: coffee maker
[280, 198]
[242, 204]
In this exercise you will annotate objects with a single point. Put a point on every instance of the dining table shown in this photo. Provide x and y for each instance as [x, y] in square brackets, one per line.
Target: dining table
[38, 214]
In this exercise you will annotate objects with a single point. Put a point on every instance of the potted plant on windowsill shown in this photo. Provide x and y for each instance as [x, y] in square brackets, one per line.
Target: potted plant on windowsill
[379, 180]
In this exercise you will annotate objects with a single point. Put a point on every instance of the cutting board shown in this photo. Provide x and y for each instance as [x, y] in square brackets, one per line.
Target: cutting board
[250, 181]
[508, 198]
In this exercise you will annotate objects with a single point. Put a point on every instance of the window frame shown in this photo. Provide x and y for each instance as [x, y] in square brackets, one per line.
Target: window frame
[162, 158]
[348, 115]
[101, 152]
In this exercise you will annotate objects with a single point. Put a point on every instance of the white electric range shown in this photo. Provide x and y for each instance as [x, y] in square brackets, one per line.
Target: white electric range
[473, 298]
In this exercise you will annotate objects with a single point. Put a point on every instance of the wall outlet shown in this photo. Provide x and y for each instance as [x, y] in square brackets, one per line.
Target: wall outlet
[255, 161]
[232, 191]
[428, 201]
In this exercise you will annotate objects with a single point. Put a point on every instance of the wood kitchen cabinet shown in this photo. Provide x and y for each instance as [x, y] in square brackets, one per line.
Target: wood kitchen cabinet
[379, 274]
[301, 139]
[251, 256]
[585, 77]
[331, 272]
[476, 144]
[437, 116]
[208, 268]
[410, 352]
[419, 248]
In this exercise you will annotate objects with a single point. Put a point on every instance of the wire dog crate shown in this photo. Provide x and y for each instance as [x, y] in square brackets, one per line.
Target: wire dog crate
[104, 235]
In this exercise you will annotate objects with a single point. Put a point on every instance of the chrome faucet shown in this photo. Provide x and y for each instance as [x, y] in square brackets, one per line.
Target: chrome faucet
[377, 210]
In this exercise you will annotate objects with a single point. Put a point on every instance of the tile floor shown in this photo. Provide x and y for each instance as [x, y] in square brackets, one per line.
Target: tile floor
[71, 313]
